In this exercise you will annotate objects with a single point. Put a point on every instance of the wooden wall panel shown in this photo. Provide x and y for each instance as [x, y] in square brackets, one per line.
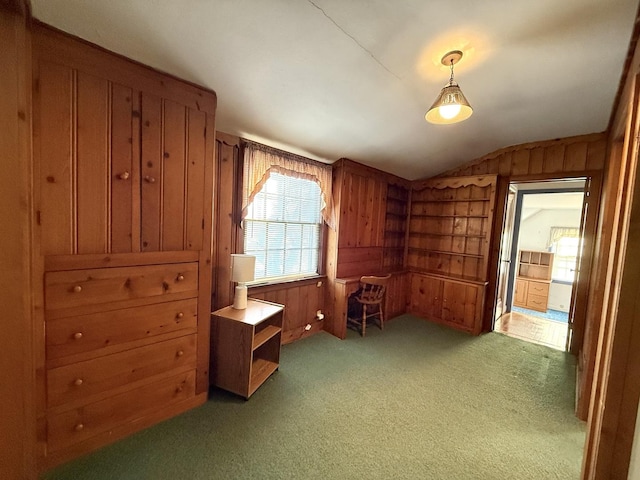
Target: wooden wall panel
[359, 261]
[151, 172]
[17, 375]
[123, 178]
[559, 158]
[362, 207]
[302, 300]
[397, 295]
[54, 106]
[93, 164]
[196, 145]
[173, 190]
[226, 231]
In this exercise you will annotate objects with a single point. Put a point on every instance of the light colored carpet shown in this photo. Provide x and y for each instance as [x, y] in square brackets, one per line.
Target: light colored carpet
[417, 401]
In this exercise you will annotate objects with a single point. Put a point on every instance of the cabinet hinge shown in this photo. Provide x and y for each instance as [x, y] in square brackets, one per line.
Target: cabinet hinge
[38, 217]
[203, 223]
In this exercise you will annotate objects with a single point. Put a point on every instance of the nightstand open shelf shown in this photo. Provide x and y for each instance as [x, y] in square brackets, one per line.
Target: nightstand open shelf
[245, 346]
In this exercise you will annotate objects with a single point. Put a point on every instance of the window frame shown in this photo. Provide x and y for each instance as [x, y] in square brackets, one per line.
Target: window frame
[322, 242]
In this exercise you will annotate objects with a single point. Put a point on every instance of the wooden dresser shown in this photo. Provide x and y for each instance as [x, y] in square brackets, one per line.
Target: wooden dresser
[533, 280]
[123, 179]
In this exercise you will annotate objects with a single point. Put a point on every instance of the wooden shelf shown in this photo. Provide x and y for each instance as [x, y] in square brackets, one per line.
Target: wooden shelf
[423, 215]
[459, 278]
[419, 202]
[441, 252]
[430, 234]
[265, 335]
[261, 369]
[399, 215]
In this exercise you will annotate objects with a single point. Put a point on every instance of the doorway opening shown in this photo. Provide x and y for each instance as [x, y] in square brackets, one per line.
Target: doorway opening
[540, 253]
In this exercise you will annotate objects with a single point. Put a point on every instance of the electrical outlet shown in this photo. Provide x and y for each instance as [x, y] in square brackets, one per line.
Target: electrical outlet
[307, 327]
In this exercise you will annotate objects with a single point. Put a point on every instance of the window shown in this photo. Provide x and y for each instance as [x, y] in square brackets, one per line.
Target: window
[282, 227]
[565, 242]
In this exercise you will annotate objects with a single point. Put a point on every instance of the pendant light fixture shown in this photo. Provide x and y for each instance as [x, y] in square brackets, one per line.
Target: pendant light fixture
[451, 106]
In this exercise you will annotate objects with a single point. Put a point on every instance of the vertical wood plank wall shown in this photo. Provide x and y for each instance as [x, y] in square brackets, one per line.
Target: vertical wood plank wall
[613, 412]
[17, 375]
[360, 245]
[552, 159]
[226, 215]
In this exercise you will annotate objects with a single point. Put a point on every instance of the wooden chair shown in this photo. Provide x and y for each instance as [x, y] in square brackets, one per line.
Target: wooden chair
[369, 296]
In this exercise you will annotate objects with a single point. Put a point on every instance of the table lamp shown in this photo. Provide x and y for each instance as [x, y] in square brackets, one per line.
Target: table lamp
[242, 271]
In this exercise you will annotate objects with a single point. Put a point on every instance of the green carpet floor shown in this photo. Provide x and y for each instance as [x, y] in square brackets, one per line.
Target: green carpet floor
[417, 401]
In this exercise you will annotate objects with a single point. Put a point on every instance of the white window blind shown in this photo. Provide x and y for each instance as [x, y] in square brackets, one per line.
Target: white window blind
[565, 242]
[282, 228]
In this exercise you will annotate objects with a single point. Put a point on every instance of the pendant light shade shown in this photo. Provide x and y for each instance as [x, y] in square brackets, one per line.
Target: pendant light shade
[451, 106]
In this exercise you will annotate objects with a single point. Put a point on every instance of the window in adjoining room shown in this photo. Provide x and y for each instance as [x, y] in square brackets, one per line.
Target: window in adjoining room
[565, 242]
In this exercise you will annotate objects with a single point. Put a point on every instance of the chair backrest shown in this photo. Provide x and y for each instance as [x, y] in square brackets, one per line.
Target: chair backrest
[372, 288]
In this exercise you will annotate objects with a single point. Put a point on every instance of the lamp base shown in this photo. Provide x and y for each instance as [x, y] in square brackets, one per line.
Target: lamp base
[240, 298]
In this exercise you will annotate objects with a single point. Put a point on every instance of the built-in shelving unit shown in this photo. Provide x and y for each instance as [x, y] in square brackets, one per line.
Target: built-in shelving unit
[533, 279]
[448, 248]
[397, 212]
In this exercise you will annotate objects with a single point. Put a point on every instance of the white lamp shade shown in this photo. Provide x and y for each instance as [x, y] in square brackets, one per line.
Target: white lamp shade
[242, 268]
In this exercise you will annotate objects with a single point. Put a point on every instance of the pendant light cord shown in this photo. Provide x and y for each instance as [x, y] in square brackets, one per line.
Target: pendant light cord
[451, 78]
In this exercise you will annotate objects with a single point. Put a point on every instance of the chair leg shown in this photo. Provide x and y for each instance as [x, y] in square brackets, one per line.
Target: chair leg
[364, 319]
[381, 316]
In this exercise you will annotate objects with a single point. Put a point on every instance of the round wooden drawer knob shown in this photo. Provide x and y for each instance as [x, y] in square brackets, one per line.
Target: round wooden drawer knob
[179, 315]
[149, 179]
[77, 382]
[180, 277]
[79, 427]
[77, 289]
[77, 335]
[180, 353]
[124, 175]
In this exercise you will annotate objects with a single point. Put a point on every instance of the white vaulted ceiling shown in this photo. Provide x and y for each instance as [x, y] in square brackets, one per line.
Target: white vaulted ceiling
[354, 78]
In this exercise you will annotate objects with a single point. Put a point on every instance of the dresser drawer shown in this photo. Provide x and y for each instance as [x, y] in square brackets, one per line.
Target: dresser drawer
[76, 288]
[537, 288]
[537, 302]
[79, 424]
[105, 330]
[83, 379]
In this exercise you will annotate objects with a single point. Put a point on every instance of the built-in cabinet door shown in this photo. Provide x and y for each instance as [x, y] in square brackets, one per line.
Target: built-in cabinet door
[86, 162]
[462, 304]
[119, 170]
[173, 175]
[426, 296]
[520, 297]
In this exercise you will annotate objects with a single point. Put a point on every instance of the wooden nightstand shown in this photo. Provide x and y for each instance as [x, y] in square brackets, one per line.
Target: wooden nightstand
[245, 346]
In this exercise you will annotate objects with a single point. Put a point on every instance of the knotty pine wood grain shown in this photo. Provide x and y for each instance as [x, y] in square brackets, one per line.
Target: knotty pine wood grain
[226, 214]
[302, 300]
[20, 325]
[564, 156]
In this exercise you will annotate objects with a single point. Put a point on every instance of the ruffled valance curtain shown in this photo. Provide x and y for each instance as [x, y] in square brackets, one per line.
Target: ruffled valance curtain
[558, 232]
[260, 160]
